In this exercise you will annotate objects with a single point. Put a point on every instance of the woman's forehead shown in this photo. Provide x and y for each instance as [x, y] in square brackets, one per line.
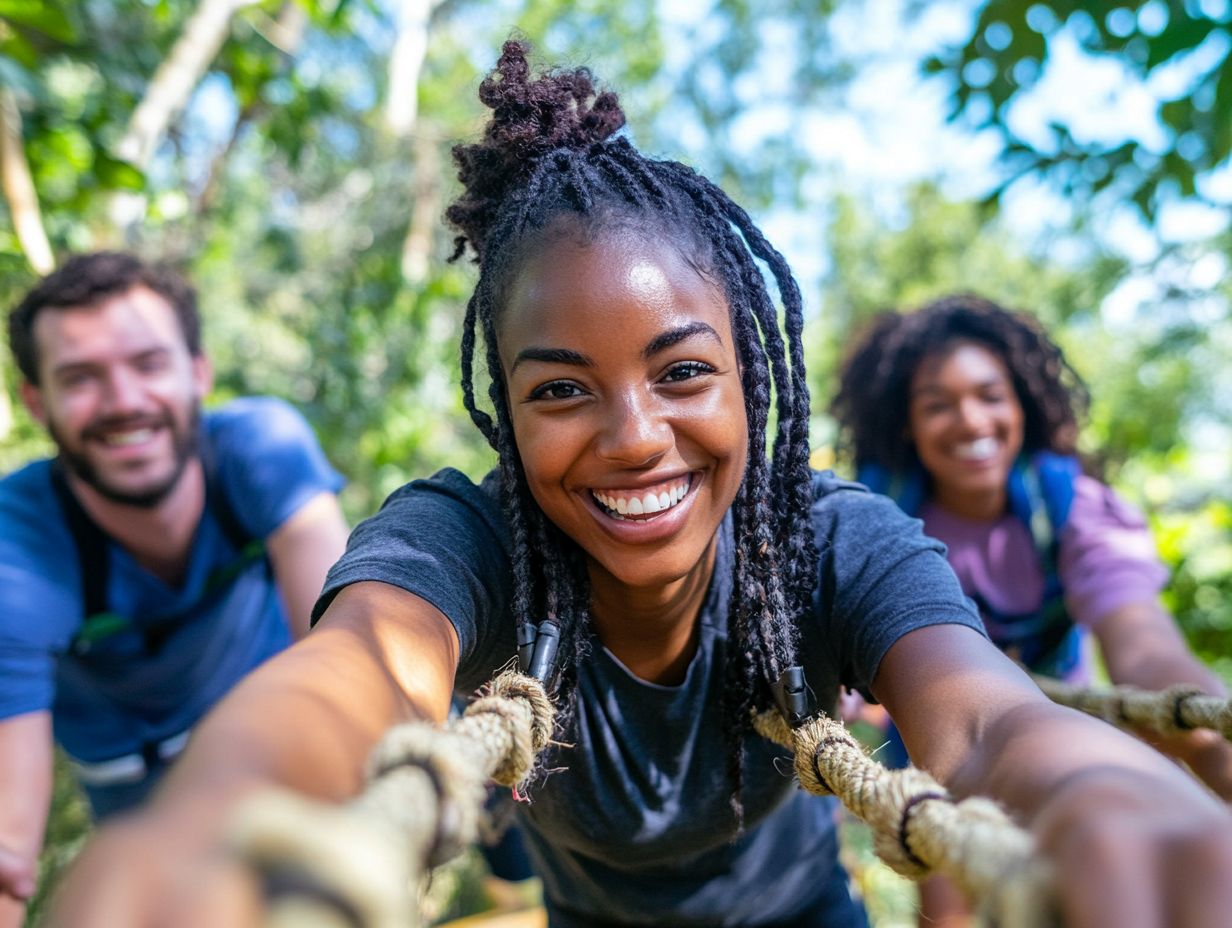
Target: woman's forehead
[617, 279]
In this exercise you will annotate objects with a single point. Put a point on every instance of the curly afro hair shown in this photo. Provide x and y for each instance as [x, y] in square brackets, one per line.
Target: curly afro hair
[872, 403]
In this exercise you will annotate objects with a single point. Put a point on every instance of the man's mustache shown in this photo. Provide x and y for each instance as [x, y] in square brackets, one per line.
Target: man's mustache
[98, 429]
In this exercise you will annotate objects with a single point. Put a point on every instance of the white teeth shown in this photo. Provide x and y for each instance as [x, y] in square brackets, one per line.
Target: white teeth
[649, 503]
[977, 450]
[135, 437]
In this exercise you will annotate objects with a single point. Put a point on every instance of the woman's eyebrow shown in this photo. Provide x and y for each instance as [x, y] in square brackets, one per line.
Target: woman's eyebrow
[671, 337]
[551, 356]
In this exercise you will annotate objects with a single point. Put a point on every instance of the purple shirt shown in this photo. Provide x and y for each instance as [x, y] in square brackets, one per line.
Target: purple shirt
[1107, 557]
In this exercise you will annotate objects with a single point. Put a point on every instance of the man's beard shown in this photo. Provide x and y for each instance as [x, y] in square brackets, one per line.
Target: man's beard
[185, 444]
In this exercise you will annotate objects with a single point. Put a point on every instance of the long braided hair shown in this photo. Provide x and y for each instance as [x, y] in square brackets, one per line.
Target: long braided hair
[872, 404]
[549, 163]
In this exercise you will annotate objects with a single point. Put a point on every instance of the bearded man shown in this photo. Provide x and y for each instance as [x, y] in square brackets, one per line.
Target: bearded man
[161, 555]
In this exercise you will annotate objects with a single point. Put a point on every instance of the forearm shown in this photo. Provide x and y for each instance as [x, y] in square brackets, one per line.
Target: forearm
[1034, 751]
[25, 793]
[1143, 647]
[307, 719]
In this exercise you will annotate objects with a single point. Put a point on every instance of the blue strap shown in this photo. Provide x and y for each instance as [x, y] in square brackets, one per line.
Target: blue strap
[907, 490]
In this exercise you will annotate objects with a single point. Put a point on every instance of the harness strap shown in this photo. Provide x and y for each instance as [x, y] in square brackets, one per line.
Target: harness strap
[90, 541]
[95, 566]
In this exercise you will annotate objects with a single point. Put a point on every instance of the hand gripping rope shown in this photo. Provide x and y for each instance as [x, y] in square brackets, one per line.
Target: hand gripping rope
[919, 828]
[361, 865]
[1175, 710]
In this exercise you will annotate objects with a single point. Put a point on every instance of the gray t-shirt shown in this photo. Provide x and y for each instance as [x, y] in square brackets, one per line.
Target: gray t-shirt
[637, 829]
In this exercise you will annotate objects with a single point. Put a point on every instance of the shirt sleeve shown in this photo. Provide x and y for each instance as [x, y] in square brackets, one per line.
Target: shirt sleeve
[444, 540]
[1107, 556]
[880, 578]
[40, 596]
[269, 460]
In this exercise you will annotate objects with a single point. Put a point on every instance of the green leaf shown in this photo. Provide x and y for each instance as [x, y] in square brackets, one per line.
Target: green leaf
[115, 174]
[44, 16]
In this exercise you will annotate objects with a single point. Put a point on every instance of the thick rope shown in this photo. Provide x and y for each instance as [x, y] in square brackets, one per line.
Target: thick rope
[361, 865]
[919, 828]
[1175, 710]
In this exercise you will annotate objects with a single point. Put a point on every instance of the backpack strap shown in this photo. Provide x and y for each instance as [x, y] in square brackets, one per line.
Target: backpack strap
[1041, 493]
[92, 556]
[907, 490]
[90, 542]
[219, 504]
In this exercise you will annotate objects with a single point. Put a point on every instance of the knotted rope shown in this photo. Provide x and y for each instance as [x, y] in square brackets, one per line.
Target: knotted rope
[1175, 710]
[361, 865]
[918, 827]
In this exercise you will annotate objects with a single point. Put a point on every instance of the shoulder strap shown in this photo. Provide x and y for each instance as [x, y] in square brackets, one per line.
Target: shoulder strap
[217, 501]
[1041, 492]
[905, 489]
[90, 541]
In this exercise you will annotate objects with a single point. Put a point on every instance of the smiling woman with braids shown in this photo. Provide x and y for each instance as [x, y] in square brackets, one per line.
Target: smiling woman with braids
[634, 358]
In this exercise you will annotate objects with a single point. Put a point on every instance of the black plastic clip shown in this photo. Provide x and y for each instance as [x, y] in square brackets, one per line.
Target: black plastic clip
[527, 633]
[537, 650]
[793, 696]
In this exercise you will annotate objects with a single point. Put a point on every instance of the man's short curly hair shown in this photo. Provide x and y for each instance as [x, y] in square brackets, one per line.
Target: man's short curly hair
[872, 403]
[88, 279]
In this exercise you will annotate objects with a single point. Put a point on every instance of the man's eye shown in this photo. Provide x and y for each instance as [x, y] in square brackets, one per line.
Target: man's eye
[687, 371]
[556, 390]
[75, 379]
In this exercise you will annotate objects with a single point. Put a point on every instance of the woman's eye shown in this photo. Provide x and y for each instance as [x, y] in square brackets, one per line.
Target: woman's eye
[687, 371]
[556, 390]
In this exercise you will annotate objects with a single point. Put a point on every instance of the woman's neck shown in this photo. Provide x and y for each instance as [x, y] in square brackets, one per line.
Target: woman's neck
[653, 631]
[974, 507]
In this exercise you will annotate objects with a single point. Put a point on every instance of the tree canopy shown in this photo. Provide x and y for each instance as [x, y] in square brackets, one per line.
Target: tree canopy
[1177, 51]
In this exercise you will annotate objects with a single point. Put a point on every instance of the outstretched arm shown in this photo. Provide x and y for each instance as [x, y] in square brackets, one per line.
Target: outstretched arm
[1142, 646]
[25, 788]
[305, 720]
[302, 550]
[1136, 841]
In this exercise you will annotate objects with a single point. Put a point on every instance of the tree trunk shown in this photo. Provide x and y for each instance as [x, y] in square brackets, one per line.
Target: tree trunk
[425, 212]
[19, 187]
[174, 81]
[405, 63]
[169, 91]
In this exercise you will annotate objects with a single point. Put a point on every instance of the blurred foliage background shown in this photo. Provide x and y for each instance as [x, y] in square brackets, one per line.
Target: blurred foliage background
[292, 157]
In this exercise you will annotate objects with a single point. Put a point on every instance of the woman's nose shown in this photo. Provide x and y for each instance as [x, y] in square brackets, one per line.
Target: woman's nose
[637, 432]
[972, 414]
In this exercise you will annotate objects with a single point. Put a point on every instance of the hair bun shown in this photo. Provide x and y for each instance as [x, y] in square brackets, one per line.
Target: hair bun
[531, 118]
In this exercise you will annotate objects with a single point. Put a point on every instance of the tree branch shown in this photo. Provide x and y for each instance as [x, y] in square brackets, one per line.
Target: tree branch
[19, 187]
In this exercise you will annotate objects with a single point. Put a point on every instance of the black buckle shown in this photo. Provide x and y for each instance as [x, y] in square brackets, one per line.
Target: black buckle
[793, 696]
[537, 646]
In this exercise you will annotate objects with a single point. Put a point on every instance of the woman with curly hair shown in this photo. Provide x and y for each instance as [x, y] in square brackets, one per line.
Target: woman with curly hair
[689, 568]
[967, 414]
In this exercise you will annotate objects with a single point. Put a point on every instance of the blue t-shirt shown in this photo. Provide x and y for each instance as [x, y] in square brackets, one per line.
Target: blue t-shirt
[118, 699]
[637, 829]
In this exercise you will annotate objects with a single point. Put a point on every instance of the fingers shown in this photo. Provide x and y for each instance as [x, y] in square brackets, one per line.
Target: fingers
[1105, 878]
[1138, 858]
[18, 875]
[1201, 871]
[143, 875]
